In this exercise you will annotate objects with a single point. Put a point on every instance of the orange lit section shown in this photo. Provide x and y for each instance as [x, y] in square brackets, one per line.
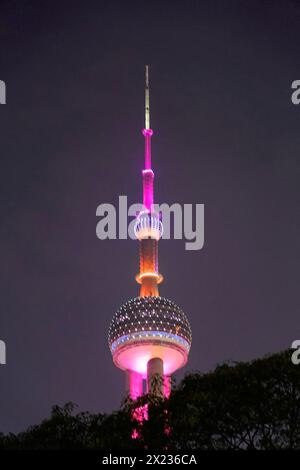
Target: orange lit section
[149, 277]
[149, 287]
[148, 230]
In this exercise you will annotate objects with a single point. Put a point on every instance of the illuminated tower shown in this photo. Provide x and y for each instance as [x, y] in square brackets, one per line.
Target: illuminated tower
[149, 334]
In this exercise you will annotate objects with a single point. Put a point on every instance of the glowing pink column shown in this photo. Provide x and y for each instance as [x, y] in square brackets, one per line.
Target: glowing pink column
[134, 384]
[167, 386]
[148, 175]
[148, 134]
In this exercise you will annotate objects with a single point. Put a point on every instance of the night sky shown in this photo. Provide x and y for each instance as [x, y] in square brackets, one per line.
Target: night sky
[226, 134]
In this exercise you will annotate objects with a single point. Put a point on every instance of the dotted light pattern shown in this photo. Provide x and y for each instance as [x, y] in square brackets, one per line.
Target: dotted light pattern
[152, 318]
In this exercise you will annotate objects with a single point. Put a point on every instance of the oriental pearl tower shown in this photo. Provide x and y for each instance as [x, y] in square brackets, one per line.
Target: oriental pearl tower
[149, 335]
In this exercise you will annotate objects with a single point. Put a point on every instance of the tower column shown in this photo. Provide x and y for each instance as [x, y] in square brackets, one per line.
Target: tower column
[147, 134]
[167, 386]
[133, 384]
[148, 189]
[155, 376]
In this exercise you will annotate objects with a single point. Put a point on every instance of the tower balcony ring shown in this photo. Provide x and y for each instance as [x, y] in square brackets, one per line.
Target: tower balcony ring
[147, 132]
[139, 277]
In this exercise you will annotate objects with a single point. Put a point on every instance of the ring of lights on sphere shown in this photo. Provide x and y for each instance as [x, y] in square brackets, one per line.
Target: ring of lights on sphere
[146, 327]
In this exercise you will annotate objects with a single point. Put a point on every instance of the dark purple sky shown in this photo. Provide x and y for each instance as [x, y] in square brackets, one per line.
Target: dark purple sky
[225, 134]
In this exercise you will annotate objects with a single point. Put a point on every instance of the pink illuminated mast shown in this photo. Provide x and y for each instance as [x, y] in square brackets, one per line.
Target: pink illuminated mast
[148, 175]
[149, 335]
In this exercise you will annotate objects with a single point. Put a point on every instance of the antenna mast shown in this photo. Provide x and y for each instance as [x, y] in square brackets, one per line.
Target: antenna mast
[147, 104]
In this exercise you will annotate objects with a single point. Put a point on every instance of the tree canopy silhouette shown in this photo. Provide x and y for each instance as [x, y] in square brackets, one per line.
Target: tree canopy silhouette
[251, 405]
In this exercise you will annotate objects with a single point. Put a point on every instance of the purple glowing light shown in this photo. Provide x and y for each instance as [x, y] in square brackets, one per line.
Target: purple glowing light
[148, 175]
[148, 133]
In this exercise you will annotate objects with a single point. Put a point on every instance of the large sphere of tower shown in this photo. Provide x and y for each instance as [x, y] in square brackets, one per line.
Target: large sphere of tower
[149, 327]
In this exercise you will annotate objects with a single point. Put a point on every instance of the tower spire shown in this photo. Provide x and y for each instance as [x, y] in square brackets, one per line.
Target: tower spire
[147, 97]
